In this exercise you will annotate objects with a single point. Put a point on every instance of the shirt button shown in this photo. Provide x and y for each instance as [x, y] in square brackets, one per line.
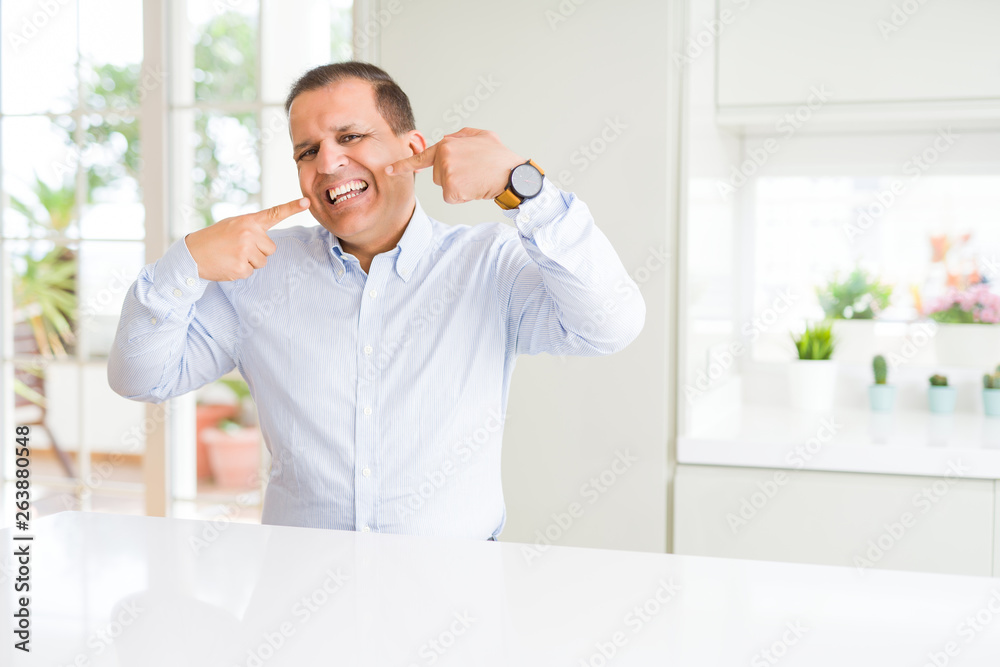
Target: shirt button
[191, 282]
[368, 349]
[366, 472]
[373, 294]
[153, 320]
[177, 292]
[340, 272]
[368, 410]
[523, 217]
[365, 529]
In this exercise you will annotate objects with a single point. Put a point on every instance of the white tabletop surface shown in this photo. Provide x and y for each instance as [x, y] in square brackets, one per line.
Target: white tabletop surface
[122, 590]
[899, 443]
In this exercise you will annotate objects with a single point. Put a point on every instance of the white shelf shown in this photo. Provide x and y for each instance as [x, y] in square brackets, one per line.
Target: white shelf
[902, 443]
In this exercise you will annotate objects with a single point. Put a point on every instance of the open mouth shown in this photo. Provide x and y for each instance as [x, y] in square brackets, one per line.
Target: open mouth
[346, 191]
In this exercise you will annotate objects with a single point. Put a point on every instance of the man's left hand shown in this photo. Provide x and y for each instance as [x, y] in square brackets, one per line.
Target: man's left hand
[468, 164]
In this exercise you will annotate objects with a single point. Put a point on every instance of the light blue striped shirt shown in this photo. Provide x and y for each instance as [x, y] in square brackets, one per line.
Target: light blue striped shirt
[382, 396]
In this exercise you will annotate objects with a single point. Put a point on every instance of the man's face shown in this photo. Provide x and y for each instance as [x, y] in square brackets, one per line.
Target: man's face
[341, 142]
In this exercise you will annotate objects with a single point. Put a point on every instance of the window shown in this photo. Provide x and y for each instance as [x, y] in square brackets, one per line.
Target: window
[74, 234]
[874, 229]
[72, 241]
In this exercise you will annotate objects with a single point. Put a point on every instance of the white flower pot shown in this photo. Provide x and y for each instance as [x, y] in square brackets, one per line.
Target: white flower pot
[970, 345]
[811, 384]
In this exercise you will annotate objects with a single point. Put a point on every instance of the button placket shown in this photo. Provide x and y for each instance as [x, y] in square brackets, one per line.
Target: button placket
[366, 431]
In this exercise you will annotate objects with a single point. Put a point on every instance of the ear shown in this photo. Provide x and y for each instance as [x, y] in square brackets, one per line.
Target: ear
[416, 142]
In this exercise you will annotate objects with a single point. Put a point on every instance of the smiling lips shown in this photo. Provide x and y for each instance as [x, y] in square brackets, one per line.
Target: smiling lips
[346, 191]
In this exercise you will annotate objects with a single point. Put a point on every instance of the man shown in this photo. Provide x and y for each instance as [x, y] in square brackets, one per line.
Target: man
[379, 345]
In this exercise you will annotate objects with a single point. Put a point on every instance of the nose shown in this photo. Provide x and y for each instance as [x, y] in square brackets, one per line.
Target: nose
[331, 157]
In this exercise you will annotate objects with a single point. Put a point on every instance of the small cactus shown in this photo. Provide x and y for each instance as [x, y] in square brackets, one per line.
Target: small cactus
[939, 381]
[992, 381]
[880, 368]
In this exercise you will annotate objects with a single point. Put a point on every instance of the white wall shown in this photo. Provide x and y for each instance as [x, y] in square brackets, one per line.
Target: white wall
[556, 85]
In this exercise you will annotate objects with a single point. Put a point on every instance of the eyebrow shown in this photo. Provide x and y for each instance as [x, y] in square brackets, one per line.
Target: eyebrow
[350, 127]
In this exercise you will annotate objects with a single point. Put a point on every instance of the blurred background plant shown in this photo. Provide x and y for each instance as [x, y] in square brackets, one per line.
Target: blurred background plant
[816, 342]
[976, 304]
[857, 297]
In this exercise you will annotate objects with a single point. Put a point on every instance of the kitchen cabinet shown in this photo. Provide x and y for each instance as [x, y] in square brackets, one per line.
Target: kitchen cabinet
[864, 521]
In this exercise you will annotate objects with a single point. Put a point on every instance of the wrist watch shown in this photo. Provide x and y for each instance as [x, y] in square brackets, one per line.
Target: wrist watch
[525, 182]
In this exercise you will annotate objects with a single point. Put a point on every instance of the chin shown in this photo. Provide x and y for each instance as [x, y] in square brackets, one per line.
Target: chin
[346, 226]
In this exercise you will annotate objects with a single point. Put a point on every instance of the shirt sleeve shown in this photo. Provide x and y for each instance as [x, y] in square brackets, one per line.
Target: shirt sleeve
[561, 284]
[177, 331]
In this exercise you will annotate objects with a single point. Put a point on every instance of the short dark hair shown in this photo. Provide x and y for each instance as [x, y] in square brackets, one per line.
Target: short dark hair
[390, 100]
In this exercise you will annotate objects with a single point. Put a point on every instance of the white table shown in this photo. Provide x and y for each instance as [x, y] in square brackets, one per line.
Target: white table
[122, 590]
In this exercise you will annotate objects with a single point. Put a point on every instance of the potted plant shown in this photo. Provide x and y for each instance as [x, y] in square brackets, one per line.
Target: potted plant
[940, 397]
[881, 396]
[961, 338]
[991, 393]
[812, 377]
[209, 414]
[853, 303]
[233, 445]
[857, 297]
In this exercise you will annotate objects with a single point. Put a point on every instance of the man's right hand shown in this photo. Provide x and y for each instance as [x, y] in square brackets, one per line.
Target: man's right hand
[232, 248]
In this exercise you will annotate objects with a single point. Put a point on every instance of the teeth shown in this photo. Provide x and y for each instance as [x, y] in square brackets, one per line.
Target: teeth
[345, 188]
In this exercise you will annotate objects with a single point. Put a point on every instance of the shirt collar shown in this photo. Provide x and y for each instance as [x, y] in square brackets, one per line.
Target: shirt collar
[413, 242]
[409, 248]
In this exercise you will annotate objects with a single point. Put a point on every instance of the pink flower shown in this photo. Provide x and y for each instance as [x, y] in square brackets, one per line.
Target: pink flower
[978, 299]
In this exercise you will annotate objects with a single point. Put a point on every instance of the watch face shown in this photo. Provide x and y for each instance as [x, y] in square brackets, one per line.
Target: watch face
[526, 181]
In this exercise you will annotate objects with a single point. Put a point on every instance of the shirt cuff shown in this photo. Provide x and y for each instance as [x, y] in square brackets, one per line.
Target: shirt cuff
[540, 210]
[175, 276]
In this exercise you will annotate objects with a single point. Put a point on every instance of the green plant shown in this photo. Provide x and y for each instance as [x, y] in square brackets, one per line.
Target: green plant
[857, 297]
[229, 425]
[939, 381]
[59, 204]
[992, 381]
[816, 342]
[239, 388]
[881, 369]
[45, 296]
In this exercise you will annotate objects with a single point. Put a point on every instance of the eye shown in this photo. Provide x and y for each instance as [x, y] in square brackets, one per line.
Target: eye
[350, 137]
[307, 153]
